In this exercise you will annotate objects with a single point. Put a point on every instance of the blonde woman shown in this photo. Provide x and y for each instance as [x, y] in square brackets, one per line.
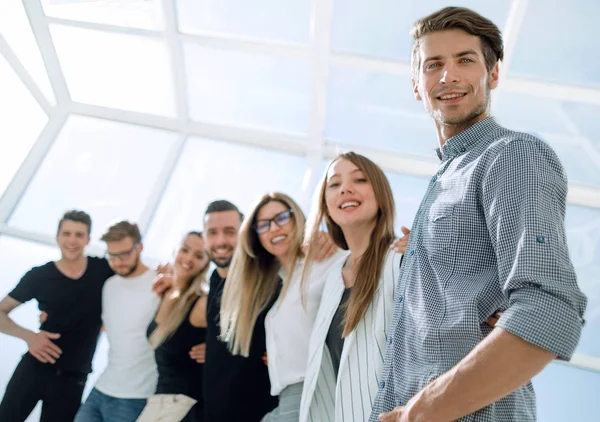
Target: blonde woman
[179, 325]
[266, 268]
[346, 348]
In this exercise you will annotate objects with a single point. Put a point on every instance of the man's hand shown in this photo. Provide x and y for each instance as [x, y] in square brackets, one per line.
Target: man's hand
[43, 317]
[265, 359]
[42, 348]
[399, 414]
[493, 320]
[400, 245]
[165, 279]
[325, 247]
[198, 353]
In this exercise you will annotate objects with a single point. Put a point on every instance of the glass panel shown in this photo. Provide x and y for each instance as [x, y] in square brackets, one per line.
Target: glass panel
[530, 113]
[285, 21]
[408, 192]
[553, 26]
[583, 233]
[15, 28]
[128, 72]
[18, 257]
[105, 168]
[21, 123]
[210, 170]
[581, 167]
[567, 394]
[381, 28]
[245, 89]
[377, 110]
[562, 125]
[586, 118]
[145, 14]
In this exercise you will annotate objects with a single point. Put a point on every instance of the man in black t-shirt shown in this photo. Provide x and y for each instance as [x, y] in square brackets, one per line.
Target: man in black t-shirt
[236, 388]
[59, 357]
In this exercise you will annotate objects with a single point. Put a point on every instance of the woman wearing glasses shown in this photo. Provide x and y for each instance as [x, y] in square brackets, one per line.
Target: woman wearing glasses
[267, 266]
[180, 324]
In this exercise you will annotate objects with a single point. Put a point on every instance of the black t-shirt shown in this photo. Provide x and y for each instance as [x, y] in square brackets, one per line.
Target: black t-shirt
[73, 307]
[236, 388]
[177, 372]
[335, 339]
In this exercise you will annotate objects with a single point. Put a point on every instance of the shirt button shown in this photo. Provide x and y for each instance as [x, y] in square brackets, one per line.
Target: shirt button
[382, 384]
[541, 239]
[434, 179]
[400, 299]
[390, 340]
[412, 252]
[463, 149]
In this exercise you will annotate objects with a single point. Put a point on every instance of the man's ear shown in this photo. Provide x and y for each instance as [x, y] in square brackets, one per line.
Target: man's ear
[415, 86]
[494, 75]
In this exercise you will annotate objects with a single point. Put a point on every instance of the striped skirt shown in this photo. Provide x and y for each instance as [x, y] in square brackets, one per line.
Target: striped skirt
[289, 405]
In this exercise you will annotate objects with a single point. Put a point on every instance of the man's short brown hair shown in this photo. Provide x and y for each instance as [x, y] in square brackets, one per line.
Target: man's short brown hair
[77, 216]
[459, 18]
[120, 231]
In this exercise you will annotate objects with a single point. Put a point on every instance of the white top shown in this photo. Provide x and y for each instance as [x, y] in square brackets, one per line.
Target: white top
[128, 307]
[350, 397]
[288, 324]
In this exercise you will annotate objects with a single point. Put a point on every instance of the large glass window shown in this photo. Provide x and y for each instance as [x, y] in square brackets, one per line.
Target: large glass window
[105, 168]
[145, 14]
[246, 89]
[15, 28]
[21, 121]
[127, 72]
[273, 20]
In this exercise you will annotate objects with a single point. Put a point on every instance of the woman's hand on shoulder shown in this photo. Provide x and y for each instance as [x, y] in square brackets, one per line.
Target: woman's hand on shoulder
[164, 280]
[325, 247]
[400, 244]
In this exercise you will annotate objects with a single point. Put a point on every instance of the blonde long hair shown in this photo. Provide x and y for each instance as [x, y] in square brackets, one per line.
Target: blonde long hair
[370, 264]
[252, 278]
[192, 290]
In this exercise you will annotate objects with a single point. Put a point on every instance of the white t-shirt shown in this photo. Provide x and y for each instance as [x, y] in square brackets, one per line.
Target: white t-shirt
[128, 306]
[288, 325]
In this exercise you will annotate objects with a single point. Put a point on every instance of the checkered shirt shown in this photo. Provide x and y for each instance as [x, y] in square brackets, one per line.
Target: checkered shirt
[489, 235]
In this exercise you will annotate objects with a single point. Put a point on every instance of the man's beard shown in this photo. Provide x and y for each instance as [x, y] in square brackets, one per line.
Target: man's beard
[131, 269]
[221, 264]
[466, 121]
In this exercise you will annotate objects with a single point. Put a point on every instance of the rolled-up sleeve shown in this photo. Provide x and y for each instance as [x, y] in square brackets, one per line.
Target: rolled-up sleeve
[524, 200]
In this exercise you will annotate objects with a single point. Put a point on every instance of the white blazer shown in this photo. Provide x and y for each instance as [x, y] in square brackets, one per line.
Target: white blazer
[351, 397]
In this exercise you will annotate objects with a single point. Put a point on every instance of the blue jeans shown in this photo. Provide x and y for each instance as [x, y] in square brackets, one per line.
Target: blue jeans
[102, 408]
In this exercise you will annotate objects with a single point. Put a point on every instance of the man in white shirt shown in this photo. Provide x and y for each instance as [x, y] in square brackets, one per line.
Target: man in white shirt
[128, 306]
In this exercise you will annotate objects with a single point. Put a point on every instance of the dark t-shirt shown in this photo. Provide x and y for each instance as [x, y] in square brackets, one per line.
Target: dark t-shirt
[73, 307]
[236, 388]
[335, 339]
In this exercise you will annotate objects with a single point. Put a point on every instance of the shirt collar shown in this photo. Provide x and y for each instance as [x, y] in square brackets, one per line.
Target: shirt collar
[467, 139]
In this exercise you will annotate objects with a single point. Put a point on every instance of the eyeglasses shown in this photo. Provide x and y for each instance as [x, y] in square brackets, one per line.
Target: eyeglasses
[281, 219]
[121, 255]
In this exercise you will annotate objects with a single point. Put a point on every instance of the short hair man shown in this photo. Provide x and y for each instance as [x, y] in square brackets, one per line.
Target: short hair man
[128, 306]
[236, 388]
[489, 235]
[59, 357]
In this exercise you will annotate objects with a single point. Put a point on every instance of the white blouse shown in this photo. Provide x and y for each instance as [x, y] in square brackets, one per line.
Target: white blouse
[289, 324]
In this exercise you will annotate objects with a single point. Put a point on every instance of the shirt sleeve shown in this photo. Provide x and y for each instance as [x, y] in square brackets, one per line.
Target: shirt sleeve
[524, 201]
[27, 287]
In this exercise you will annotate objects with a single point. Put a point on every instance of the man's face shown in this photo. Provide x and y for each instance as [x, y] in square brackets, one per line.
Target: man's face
[123, 256]
[221, 233]
[72, 238]
[454, 83]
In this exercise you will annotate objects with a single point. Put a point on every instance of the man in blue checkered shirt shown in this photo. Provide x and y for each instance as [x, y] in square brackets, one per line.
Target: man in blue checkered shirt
[489, 235]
